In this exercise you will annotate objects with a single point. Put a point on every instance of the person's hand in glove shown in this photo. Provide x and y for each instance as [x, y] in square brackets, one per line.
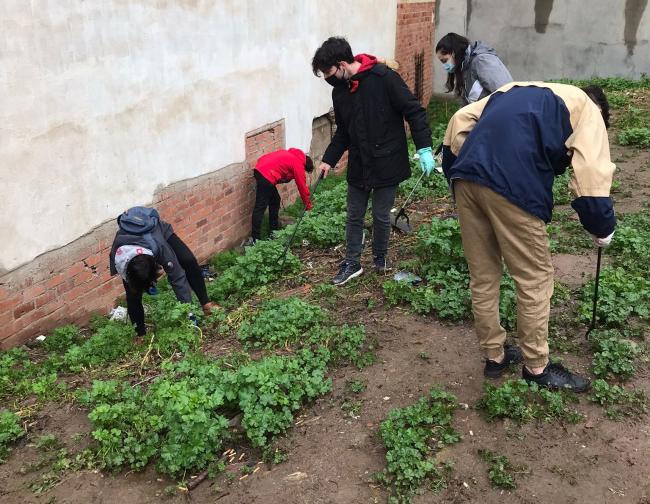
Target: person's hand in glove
[427, 163]
[603, 242]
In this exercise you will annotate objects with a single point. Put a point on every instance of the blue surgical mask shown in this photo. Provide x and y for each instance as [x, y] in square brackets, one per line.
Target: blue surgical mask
[449, 67]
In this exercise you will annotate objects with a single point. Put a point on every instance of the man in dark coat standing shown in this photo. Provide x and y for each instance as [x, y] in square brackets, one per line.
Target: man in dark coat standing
[371, 102]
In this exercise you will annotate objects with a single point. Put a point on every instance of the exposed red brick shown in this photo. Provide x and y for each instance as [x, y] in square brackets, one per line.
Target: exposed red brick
[23, 308]
[210, 213]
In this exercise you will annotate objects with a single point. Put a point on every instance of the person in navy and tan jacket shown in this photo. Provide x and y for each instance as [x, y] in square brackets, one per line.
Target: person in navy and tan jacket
[501, 155]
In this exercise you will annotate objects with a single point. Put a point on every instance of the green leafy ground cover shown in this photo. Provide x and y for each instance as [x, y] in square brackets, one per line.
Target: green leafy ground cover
[412, 436]
[168, 401]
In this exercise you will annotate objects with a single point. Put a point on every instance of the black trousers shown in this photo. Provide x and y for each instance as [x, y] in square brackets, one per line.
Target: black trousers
[382, 201]
[188, 262]
[266, 195]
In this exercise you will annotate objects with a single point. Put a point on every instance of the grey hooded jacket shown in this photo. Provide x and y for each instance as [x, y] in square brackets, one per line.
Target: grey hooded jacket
[483, 72]
[163, 254]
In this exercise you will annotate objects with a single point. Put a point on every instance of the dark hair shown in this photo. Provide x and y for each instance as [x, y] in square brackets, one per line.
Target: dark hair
[333, 50]
[309, 164]
[456, 45]
[141, 272]
[598, 96]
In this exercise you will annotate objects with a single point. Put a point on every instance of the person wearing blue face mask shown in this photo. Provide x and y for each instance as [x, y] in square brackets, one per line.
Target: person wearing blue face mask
[473, 70]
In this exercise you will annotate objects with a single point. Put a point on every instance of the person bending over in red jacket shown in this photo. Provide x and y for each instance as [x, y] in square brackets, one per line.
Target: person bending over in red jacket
[274, 168]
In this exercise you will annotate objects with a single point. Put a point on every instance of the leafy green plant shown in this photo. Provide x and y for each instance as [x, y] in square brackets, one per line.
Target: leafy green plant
[617, 401]
[613, 354]
[355, 386]
[632, 244]
[180, 420]
[523, 402]
[501, 472]
[259, 266]
[109, 343]
[21, 377]
[62, 338]
[47, 442]
[10, 430]
[282, 322]
[224, 260]
[274, 455]
[622, 294]
[610, 83]
[319, 230]
[635, 136]
[561, 193]
[412, 436]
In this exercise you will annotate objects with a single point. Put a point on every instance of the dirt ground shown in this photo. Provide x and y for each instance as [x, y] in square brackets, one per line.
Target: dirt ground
[333, 455]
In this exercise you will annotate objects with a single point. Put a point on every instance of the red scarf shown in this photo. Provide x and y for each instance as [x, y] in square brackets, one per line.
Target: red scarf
[367, 62]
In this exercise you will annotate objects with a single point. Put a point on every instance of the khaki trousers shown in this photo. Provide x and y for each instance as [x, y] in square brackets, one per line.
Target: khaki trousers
[493, 228]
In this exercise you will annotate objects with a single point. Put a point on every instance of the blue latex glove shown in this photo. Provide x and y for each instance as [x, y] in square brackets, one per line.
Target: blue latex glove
[427, 163]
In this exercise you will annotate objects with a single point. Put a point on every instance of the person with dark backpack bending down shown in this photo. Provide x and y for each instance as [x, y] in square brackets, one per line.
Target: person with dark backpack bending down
[278, 167]
[501, 155]
[143, 247]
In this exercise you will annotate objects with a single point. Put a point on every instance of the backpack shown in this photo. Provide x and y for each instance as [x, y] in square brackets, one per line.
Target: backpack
[140, 221]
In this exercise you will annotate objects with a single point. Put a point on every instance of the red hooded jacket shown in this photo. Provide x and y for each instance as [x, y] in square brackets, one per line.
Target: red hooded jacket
[282, 166]
[367, 62]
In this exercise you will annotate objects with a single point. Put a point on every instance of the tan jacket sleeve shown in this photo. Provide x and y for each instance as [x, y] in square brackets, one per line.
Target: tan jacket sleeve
[592, 167]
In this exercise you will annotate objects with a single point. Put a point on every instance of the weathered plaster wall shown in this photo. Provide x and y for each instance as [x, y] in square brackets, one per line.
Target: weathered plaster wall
[105, 101]
[543, 39]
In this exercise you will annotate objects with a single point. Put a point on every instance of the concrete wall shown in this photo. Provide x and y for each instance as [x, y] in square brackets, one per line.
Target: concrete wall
[106, 101]
[544, 39]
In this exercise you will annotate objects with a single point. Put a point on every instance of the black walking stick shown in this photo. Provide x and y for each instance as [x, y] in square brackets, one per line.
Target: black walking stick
[295, 229]
[592, 326]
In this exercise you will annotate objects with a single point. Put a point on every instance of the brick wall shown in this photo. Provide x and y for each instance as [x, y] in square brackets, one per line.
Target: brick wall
[210, 213]
[415, 35]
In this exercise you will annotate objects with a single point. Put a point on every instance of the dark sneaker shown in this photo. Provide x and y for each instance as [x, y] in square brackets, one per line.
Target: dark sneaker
[556, 376]
[348, 271]
[249, 242]
[381, 264]
[512, 355]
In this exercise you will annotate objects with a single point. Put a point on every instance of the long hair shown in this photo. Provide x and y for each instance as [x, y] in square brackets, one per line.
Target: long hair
[455, 45]
[598, 96]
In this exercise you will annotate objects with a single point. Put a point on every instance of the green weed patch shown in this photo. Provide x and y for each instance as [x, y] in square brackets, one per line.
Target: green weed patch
[522, 402]
[260, 265]
[501, 472]
[639, 137]
[613, 355]
[412, 436]
[617, 401]
[10, 431]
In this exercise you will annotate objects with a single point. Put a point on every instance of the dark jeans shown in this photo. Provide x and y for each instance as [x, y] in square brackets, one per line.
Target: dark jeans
[382, 202]
[266, 195]
[194, 275]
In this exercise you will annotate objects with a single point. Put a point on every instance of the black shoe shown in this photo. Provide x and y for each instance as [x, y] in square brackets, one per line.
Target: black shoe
[512, 355]
[382, 265]
[348, 271]
[556, 376]
[249, 242]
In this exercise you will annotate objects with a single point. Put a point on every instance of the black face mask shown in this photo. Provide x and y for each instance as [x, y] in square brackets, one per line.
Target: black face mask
[335, 81]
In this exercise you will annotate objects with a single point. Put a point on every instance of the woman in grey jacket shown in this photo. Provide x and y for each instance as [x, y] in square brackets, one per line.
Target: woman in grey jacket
[473, 70]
